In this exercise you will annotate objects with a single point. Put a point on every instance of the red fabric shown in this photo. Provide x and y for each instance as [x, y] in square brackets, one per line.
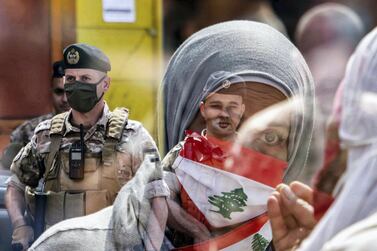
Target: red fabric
[214, 152]
[326, 177]
[321, 202]
[332, 151]
[250, 227]
[259, 167]
[247, 163]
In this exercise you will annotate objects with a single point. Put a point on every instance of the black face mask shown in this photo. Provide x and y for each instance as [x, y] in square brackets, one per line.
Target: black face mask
[82, 97]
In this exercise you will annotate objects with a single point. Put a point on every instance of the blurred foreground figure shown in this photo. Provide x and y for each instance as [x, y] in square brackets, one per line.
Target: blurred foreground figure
[327, 36]
[341, 228]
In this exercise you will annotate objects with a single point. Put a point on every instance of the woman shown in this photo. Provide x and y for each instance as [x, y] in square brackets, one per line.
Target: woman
[356, 191]
[358, 134]
[273, 70]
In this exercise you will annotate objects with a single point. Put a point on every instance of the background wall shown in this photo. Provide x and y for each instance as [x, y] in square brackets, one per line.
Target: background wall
[135, 52]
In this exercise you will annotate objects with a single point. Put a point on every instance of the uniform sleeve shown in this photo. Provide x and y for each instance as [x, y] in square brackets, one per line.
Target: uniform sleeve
[27, 165]
[14, 181]
[19, 134]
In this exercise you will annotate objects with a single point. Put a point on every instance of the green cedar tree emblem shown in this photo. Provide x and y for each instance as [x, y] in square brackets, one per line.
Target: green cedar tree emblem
[229, 202]
[259, 243]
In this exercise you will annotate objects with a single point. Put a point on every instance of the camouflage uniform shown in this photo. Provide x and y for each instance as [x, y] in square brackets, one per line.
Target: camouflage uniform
[104, 173]
[24, 132]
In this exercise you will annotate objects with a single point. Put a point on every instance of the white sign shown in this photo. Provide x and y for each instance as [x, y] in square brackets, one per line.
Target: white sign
[119, 11]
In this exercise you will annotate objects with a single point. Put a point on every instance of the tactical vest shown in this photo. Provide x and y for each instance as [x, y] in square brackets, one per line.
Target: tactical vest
[69, 198]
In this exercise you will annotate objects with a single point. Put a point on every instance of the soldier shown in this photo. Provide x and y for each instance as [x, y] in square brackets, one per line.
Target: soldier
[23, 133]
[80, 158]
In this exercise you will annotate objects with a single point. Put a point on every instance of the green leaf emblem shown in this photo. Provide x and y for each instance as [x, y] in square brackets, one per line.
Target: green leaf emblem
[229, 202]
[259, 243]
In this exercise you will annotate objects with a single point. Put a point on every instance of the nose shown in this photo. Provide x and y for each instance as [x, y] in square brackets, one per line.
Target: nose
[224, 113]
[64, 97]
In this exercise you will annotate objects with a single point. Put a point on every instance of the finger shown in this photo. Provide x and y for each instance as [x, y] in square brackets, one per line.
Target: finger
[302, 191]
[289, 241]
[290, 221]
[278, 225]
[301, 210]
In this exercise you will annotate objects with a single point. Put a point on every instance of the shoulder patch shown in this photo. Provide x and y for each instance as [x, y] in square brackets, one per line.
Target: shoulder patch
[117, 121]
[57, 123]
[42, 126]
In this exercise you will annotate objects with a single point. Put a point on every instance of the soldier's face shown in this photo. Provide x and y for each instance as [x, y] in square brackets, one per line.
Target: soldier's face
[222, 114]
[88, 76]
[270, 137]
[59, 99]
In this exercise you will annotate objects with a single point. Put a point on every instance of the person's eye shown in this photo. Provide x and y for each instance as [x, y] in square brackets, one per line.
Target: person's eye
[271, 138]
[85, 78]
[70, 79]
[234, 107]
[216, 107]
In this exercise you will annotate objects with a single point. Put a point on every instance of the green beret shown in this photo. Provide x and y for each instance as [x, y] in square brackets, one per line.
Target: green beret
[85, 56]
[58, 69]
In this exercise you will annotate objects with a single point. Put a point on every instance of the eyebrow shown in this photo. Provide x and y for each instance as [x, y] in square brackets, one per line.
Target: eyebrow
[219, 102]
[214, 102]
[234, 103]
[85, 75]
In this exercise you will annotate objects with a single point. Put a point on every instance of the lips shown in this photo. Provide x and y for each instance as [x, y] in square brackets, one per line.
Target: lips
[65, 107]
[223, 124]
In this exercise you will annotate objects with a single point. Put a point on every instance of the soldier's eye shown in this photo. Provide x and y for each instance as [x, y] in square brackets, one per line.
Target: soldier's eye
[85, 78]
[216, 106]
[70, 79]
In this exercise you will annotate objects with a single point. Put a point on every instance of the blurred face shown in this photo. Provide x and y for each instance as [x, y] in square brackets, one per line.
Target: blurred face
[59, 99]
[222, 114]
[268, 131]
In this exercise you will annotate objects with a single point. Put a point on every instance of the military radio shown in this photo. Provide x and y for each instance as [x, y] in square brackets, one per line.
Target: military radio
[77, 157]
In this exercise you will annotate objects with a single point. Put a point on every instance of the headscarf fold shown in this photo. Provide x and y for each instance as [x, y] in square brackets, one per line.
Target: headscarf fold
[254, 51]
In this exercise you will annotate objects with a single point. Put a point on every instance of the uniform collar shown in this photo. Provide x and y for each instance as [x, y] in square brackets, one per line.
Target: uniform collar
[101, 123]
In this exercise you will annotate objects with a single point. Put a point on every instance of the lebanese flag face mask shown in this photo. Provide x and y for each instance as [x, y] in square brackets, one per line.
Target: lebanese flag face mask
[227, 190]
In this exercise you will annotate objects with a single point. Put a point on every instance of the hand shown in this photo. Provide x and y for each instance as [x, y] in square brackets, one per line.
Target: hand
[180, 220]
[156, 223]
[291, 215]
[22, 237]
[203, 236]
